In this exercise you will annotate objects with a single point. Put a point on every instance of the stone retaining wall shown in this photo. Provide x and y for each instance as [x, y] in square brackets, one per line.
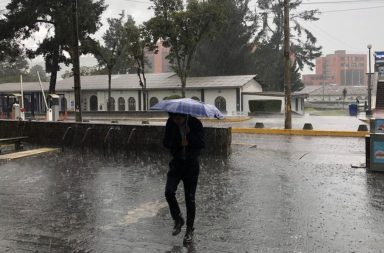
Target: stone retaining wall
[143, 137]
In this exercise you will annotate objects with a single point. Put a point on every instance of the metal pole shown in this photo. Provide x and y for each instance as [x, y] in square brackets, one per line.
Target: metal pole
[22, 113]
[369, 111]
[287, 68]
[42, 91]
[76, 62]
[22, 92]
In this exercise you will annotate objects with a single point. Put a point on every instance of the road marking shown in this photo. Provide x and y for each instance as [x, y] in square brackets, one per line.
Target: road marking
[250, 145]
[146, 210]
[143, 211]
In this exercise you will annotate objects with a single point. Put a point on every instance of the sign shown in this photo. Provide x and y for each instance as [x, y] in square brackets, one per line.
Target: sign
[379, 126]
[379, 58]
[378, 152]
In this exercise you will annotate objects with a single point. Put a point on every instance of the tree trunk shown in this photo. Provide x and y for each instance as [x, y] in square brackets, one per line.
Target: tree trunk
[54, 69]
[183, 85]
[287, 67]
[109, 89]
[144, 83]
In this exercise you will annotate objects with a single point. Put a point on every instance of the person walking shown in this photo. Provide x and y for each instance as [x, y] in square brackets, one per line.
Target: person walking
[184, 137]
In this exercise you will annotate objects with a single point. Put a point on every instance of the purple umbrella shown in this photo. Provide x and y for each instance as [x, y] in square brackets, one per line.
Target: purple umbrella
[190, 107]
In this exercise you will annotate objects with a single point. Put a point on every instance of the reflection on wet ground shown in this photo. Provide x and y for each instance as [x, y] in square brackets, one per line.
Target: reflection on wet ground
[274, 194]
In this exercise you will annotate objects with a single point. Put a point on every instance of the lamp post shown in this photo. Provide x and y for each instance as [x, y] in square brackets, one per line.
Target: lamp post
[76, 62]
[369, 110]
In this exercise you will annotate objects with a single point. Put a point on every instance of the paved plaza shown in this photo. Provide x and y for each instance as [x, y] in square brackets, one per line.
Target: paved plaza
[274, 194]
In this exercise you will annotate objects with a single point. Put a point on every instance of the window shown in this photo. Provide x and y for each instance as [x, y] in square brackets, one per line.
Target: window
[93, 103]
[297, 105]
[196, 98]
[131, 104]
[221, 104]
[111, 106]
[153, 101]
[121, 104]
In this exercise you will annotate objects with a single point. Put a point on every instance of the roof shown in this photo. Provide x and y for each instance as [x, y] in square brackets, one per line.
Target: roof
[277, 94]
[337, 90]
[131, 82]
[15, 87]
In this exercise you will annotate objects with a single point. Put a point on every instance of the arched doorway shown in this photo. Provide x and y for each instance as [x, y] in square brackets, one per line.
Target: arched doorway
[153, 101]
[221, 104]
[63, 104]
[121, 104]
[131, 104]
[93, 103]
[112, 106]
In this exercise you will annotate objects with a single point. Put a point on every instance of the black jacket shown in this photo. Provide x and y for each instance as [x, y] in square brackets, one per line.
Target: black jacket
[172, 139]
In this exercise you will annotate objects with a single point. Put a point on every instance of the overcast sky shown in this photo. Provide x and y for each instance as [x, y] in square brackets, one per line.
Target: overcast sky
[349, 25]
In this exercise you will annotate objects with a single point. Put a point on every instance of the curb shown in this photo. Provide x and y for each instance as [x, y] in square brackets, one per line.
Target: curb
[298, 132]
[236, 119]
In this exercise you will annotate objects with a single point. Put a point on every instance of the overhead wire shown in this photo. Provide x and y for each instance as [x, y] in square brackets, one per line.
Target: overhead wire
[343, 2]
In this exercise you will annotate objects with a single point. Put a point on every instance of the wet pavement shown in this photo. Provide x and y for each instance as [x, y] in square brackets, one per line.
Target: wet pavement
[274, 194]
[338, 123]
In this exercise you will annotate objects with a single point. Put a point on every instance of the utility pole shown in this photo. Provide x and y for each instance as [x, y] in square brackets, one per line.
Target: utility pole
[287, 68]
[76, 62]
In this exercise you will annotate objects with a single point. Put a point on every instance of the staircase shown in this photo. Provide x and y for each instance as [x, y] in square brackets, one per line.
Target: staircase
[380, 96]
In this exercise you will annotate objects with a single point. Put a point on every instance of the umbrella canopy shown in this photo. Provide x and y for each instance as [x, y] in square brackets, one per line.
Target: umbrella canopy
[190, 107]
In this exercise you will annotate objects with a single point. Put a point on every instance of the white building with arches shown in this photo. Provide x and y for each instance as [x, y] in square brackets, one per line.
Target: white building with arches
[230, 94]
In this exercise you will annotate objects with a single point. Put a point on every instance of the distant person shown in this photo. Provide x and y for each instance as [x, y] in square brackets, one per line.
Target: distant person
[184, 137]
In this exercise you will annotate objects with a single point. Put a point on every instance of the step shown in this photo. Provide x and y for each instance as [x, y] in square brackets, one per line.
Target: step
[28, 153]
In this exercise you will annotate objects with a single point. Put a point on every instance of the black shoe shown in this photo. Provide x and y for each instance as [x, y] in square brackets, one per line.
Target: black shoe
[188, 238]
[179, 223]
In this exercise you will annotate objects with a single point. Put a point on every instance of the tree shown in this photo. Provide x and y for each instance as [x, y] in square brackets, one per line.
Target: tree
[11, 69]
[113, 52]
[86, 71]
[9, 47]
[31, 76]
[269, 43]
[135, 39]
[181, 29]
[24, 18]
[267, 63]
[229, 51]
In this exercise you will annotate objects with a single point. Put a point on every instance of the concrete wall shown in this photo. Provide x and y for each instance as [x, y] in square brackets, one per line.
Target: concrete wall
[300, 107]
[228, 94]
[145, 137]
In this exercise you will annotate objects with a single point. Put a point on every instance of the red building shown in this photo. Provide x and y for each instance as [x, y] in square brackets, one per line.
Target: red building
[339, 68]
[158, 62]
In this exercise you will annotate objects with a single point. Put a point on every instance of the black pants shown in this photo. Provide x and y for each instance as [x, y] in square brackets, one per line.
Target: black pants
[188, 172]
